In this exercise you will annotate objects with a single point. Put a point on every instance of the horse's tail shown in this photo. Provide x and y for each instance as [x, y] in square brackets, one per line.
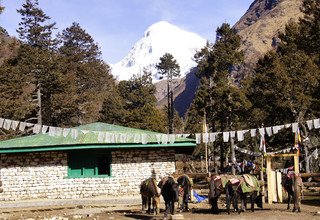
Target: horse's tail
[156, 189]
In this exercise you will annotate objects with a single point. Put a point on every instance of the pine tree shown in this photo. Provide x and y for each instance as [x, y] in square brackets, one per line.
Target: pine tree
[1, 8]
[138, 94]
[219, 99]
[169, 68]
[38, 44]
[93, 79]
[32, 29]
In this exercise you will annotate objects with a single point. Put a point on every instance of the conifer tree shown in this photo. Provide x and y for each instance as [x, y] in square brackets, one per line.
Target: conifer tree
[93, 80]
[218, 98]
[38, 42]
[138, 94]
[169, 69]
[33, 29]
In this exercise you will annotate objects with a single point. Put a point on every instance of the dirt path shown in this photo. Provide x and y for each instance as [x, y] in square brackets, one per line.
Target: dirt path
[198, 211]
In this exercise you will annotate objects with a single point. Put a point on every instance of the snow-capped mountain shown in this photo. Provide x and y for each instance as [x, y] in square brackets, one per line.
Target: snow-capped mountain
[158, 39]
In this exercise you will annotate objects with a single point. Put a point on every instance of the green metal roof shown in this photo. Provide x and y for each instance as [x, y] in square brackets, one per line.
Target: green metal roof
[89, 140]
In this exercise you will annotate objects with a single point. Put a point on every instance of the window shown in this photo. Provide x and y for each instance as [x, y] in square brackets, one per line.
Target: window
[87, 163]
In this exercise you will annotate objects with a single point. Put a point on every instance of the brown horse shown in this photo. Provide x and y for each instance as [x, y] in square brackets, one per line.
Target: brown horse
[293, 185]
[150, 193]
[217, 185]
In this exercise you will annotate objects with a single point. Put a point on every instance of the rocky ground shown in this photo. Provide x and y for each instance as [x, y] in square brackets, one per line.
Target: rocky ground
[130, 208]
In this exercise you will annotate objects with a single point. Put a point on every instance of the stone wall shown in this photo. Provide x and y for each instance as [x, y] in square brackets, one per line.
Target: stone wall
[44, 174]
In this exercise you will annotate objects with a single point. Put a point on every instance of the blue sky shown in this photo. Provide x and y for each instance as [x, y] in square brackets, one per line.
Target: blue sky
[116, 25]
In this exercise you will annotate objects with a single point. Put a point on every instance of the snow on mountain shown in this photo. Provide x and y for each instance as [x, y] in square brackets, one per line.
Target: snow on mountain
[158, 39]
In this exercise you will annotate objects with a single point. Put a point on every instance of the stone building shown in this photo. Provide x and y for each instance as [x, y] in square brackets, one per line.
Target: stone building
[103, 159]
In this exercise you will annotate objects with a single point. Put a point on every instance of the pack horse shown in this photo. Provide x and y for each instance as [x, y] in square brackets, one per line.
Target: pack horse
[150, 195]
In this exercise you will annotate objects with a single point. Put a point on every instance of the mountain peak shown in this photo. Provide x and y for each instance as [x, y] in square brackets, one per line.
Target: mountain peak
[158, 39]
[159, 26]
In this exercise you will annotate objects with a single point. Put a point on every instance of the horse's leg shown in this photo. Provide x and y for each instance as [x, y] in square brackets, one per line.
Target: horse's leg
[228, 198]
[288, 206]
[167, 209]
[149, 205]
[243, 197]
[144, 203]
[172, 207]
[235, 202]
[253, 199]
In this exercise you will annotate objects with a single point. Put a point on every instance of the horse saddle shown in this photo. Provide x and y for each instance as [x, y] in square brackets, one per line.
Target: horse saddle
[248, 179]
[234, 181]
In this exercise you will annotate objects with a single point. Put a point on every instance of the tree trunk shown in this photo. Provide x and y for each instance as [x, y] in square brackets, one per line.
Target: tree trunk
[305, 145]
[233, 158]
[39, 114]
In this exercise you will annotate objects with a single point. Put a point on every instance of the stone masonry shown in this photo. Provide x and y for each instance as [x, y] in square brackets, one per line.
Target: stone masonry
[45, 174]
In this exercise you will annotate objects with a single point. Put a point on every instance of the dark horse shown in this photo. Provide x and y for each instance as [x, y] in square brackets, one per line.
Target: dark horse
[242, 187]
[185, 184]
[150, 193]
[217, 185]
[292, 183]
[170, 193]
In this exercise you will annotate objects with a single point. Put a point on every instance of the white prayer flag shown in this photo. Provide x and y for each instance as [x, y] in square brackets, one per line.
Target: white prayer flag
[287, 125]
[7, 124]
[52, 131]
[14, 125]
[1, 122]
[101, 136]
[261, 131]
[22, 126]
[36, 129]
[58, 131]
[198, 138]
[158, 137]
[253, 132]
[269, 131]
[44, 129]
[164, 139]
[171, 138]
[310, 124]
[74, 133]
[316, 123]
[294, 127]
[205, 137]
[240, 135]
[65, 132]
[226, 136]
[144, 139]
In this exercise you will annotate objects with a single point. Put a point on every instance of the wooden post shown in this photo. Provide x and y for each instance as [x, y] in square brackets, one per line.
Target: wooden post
[262, 180]
[279, 187]
[233, 158]
[206, 157]
[296, 163]
[269, 181]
